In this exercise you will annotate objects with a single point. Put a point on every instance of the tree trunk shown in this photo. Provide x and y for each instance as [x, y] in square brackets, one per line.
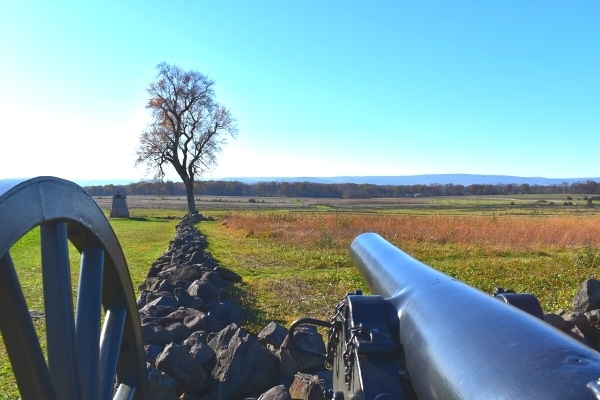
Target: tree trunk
[189, 191]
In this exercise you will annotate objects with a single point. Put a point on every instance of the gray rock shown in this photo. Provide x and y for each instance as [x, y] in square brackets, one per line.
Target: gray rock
[155, 283]
[154, 333]
[150, 311]
[160, 385]
[576, 333]
[167, 271]
[201, 322]
[293, 361]
[179, 330]
[278, 392]
[162, 301]
[166, 286]
[243, 367]
[152, 351]
[588, 296]
[195, 337]
[224, 313]
[151, 280]
[142, 300]
[223, 337]
[184, 299]
[199, 257]
[177, 362]
[181, 314]
[199, 348]
[593, 318]
[307, 387]
[188, 248]
[177, 257]
[153, 274]
[34, 314]
[273, 334]
[205, 290]
[575, 318]
[188, 273]
[555, 320]
[215, 278]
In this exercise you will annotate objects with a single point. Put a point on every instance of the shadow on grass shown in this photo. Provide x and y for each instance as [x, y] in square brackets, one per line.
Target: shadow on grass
[143, 219]
[254, 320]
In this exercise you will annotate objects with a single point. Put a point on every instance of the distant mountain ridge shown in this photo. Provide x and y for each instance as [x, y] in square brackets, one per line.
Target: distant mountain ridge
[428, 179]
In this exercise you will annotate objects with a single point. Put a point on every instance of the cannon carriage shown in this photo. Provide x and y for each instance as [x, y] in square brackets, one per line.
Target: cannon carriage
[93, 339]
[425, 335]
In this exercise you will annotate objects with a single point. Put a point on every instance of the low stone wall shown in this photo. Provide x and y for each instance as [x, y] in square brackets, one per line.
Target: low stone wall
[195, 343]
[582, 321]
[196, 346]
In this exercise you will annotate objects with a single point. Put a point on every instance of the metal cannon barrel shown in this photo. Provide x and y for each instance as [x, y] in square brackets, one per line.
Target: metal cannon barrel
[461, 343]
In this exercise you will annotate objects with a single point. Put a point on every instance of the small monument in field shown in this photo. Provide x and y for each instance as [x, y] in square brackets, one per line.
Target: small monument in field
[119, 206]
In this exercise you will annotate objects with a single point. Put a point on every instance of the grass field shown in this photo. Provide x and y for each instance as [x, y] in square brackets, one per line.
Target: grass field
[298, 264]
[295, 261]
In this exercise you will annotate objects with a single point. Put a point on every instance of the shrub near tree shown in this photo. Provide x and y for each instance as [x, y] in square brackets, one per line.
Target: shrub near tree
[188, 127]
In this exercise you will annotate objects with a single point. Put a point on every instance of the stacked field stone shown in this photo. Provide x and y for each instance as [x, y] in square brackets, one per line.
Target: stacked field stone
[582, 321]
[195, 344]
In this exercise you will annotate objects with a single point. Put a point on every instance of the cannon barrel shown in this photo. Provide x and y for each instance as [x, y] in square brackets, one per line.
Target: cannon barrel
[461, 343]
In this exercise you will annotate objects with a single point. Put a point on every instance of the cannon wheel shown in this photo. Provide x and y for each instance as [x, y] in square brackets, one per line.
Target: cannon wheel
[84, 360]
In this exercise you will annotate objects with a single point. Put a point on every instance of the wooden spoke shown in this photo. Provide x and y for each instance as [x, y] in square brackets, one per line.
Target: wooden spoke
[83, 361]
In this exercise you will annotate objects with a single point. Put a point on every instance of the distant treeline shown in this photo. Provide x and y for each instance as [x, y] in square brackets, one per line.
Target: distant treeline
[339, 190]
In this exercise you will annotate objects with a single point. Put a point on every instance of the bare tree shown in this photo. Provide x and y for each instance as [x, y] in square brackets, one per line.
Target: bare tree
[188, 127]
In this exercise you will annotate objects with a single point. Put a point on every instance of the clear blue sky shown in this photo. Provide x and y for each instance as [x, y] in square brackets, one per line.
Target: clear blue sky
[319, 88]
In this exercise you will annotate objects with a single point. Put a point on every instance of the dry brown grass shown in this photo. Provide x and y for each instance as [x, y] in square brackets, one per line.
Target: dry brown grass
[548, 256]
[492, 232]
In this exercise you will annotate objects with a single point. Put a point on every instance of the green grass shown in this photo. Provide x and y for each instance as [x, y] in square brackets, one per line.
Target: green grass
[552, 275]
[287, 279]
[142, 241]
[283, 282]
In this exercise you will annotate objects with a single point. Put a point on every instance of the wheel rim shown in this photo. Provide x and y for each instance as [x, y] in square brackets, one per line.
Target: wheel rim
[84, 361]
